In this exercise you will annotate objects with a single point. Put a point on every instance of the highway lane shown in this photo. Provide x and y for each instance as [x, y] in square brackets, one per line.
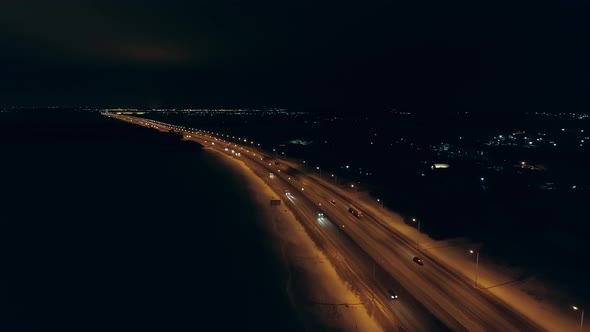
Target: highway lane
[455, 306]
[410, 314]
[365, 275]
[456, 300]
[475, 306]
[308, 213]
[423, 320]
[376, 248]
[334, 244]
[445, 294]
[497, 313]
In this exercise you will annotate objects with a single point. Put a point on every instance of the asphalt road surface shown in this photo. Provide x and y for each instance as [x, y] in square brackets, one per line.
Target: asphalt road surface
[373, 257]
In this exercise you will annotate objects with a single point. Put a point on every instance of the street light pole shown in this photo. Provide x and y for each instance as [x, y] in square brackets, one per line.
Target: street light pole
[476, 266]
[417, 238]
[581, 317]
[380, 201]
[374, 278]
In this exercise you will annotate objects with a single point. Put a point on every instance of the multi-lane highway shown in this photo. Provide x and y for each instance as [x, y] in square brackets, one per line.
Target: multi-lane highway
[373, 257]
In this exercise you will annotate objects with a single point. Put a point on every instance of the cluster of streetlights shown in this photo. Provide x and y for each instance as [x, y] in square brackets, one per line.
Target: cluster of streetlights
[471, 251]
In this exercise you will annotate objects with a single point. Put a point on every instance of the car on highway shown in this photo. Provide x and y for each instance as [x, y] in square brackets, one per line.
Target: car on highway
[392, 294]
[320, 215]
[418, 260]
[355, 211]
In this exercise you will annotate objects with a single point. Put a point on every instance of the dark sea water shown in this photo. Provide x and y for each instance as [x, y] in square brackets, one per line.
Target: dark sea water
[107, 226]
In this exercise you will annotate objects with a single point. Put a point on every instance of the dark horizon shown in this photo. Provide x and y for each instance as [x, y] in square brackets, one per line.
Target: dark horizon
[378, 55]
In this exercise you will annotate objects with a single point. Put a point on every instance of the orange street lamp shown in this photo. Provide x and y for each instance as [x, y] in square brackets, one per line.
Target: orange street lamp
[581, 318]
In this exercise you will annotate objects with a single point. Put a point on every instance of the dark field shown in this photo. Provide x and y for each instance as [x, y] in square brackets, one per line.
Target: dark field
[107, 226]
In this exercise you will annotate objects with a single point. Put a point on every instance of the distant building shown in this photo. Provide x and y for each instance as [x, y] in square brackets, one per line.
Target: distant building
[441, 165]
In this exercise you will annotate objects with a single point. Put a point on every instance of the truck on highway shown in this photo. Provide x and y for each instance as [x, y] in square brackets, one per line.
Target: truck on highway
[355, 211]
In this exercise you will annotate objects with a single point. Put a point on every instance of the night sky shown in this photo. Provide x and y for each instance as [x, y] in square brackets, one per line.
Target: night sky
[417, 55]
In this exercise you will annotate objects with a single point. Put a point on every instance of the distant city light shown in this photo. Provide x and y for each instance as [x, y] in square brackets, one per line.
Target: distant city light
[441, 165]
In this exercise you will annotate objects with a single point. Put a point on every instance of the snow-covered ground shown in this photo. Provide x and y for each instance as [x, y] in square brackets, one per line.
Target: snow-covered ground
[536, 299]
[327, 292]
[325, 301]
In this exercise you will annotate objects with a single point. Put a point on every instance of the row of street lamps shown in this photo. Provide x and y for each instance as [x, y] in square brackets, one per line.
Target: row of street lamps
[471, 251]
[575, 308]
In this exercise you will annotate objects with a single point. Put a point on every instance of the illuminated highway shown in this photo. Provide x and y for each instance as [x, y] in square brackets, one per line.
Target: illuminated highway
[430, 296]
